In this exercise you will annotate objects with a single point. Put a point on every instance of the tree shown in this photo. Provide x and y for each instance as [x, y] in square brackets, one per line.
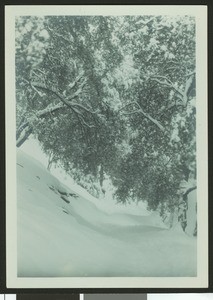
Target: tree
[160, 106]
[67, 107]
[112, 96]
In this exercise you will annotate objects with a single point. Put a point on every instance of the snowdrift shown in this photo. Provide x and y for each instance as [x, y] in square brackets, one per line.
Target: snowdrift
[62, 234]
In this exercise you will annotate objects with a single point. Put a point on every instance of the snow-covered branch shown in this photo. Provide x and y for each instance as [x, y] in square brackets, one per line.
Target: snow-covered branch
[190, 74]
[53, 32]
[78, 78]
[167, 82]
[83, 107]
[140, 110]
[188, 85]
[183, 95]
[23, 136]
[25, 129]
[157, 123]
[71, 105]
[49, 109]
[65, 100]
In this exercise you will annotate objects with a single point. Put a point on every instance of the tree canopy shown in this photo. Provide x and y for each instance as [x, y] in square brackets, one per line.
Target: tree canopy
[111, 96]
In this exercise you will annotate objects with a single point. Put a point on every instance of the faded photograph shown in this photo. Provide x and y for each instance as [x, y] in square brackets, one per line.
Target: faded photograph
[106, 146]
[189, 296]
[115, 296]
[7, 296]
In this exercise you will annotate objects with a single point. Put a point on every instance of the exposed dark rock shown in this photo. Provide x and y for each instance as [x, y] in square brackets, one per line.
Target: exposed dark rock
[62, 192]
[73, 195]
[20, 165]
[65, 199]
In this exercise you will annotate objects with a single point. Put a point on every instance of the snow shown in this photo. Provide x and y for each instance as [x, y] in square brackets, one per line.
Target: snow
[79, 238]
[32, 148]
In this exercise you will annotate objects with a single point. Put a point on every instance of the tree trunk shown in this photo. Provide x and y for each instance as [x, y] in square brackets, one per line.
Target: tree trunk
[25, 129]
[23, 136]
[183, 207]
[101, 173]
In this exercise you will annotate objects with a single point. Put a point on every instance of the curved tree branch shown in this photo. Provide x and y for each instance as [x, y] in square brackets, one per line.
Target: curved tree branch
[167, 82]
[140, 110]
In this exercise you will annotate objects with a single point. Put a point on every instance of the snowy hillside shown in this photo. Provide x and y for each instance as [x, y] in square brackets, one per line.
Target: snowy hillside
[61, 233]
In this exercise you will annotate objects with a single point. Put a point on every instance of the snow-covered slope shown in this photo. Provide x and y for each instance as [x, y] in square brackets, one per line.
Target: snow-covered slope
[63, 234]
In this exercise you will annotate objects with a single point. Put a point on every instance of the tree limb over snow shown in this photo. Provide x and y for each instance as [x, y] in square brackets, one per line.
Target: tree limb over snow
[188, 85]
[167, 82]
[140, 110]
[71, 105]
[65, 100]
[25, 129]
[183, 95]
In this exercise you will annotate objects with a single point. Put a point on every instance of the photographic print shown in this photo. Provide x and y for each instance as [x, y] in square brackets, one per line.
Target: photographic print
[7, 297]
[40, 297]
[180, 296]
[114, 297]
[106, 146]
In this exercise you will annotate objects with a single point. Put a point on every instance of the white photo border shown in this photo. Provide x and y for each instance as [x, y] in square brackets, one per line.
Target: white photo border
[201, 281]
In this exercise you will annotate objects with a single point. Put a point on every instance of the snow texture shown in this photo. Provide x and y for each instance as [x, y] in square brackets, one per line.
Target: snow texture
[62, 234]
